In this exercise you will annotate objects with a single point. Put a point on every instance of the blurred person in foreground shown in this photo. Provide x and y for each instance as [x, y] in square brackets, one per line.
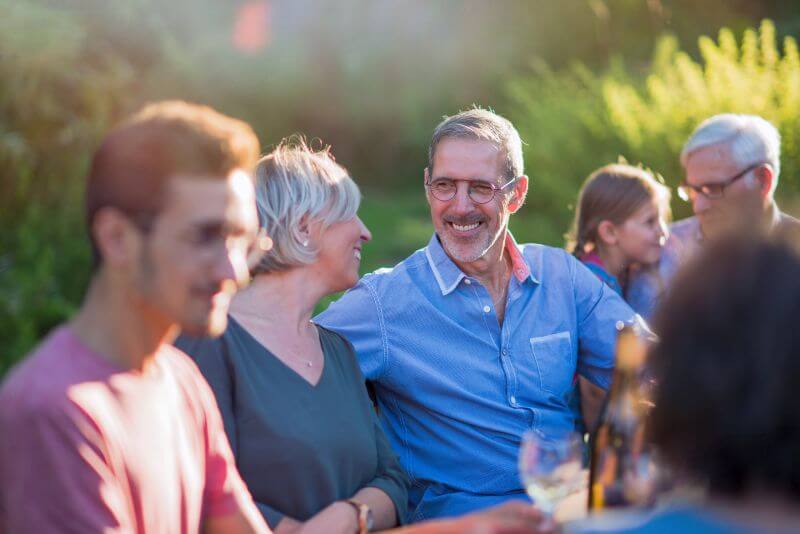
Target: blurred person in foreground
[301, 425]
[474, 340]
[727, 414]
[732, 164]
[105, 426]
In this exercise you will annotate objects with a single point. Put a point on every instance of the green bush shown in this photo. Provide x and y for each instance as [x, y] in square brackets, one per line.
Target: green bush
[69, 70]
[60, 88]
[576, 121]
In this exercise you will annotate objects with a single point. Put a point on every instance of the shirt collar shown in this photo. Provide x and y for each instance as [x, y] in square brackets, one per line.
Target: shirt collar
[593, 258]
[448, 275]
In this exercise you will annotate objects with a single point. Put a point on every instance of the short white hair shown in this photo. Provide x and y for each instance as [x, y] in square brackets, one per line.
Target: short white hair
[296, 185]
[750, 139]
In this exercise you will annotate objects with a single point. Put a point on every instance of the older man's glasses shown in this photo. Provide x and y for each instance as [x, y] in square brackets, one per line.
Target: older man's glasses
[444, 189]
[712, 191]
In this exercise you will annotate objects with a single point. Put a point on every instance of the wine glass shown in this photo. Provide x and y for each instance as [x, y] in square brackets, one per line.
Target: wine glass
[551, 468]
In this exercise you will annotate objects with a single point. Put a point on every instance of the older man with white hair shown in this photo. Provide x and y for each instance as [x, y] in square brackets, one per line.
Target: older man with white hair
[732, 164]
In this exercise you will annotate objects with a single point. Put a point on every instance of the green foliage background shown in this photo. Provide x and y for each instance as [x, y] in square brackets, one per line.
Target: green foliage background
[584, 80]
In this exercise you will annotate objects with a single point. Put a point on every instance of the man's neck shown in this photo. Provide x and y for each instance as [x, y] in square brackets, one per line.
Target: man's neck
[492, 267]
[493, 271]
[113, 326]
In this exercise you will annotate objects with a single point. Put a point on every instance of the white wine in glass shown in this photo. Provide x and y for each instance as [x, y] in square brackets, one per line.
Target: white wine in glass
[551, 468]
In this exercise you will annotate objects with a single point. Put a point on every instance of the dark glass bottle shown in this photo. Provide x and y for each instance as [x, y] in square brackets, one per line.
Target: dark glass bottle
[619, 465]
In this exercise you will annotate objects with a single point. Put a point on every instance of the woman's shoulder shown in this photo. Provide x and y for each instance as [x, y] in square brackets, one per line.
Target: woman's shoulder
[196, 346]
[335, 345]
[333, 339]
[213, 355]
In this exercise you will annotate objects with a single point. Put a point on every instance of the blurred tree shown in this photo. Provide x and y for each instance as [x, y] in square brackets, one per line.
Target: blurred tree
[577, 121]
[370, 77]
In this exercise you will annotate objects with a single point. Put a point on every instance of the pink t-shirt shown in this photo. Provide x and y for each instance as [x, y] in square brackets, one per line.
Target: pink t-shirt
[88, 447]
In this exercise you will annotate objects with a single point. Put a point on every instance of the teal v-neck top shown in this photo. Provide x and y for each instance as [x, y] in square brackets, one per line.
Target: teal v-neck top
[298, 447]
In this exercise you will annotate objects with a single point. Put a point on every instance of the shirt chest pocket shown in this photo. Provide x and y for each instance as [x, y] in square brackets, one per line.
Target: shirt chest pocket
[554, 360]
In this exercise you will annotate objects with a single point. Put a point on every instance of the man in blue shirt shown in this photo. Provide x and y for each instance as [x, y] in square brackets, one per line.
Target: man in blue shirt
[473, 340]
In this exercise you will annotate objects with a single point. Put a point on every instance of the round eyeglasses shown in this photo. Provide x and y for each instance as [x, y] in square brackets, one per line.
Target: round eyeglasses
[480, 192]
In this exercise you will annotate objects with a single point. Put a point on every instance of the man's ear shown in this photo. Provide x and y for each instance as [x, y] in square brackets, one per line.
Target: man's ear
[117, 238]
[765, 176]
[519, 192]
[607, 232]
[426, 176]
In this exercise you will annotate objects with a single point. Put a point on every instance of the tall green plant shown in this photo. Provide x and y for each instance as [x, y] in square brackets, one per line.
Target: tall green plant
[60, 88]
[576, 121]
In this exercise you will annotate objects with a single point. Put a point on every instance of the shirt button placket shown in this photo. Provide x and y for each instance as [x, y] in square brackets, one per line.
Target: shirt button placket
[511, 399]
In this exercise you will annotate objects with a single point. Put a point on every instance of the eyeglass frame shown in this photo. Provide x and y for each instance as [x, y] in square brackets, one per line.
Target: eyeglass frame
[495, 188]
[699, 189]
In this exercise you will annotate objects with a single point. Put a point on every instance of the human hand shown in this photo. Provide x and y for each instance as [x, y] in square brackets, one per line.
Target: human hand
[336, 518]
[515, 517]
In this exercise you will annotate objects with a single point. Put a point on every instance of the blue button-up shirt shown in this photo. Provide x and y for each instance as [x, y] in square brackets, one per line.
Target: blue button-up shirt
[455, 389]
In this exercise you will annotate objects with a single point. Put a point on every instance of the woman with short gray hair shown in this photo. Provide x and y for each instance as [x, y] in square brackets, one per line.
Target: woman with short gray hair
[296, 410]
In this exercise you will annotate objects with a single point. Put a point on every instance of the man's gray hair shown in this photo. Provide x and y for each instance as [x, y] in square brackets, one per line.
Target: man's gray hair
[295, 186]
[484, 125]
[750, 139]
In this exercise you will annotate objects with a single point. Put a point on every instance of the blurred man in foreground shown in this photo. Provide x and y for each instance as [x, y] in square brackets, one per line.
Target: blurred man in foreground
[732, 164]
[727, 412]
[106, 427]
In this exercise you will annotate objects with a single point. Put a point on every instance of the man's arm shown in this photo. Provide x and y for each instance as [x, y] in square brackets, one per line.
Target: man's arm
[599, 311]
[515, 517]
[237, 523]
[592, 400]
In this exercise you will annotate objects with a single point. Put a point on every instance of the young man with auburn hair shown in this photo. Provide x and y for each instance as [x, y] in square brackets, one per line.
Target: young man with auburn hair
[105, 426]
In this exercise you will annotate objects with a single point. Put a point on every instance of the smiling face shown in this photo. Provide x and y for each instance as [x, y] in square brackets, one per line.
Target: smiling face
[193, 258]
[641, 236]
[339, 252]
[468, 230]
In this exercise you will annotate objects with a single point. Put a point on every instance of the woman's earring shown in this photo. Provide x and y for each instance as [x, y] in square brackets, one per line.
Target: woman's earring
[305, 242]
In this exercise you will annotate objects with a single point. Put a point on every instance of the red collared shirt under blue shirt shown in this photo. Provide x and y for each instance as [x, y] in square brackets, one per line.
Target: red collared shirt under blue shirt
[455, 389]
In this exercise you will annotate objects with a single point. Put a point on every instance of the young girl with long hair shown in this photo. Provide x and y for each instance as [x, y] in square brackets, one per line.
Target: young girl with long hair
[620, 222]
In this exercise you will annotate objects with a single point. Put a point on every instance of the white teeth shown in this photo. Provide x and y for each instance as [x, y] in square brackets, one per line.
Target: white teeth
[357, 254]
[465, 228]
